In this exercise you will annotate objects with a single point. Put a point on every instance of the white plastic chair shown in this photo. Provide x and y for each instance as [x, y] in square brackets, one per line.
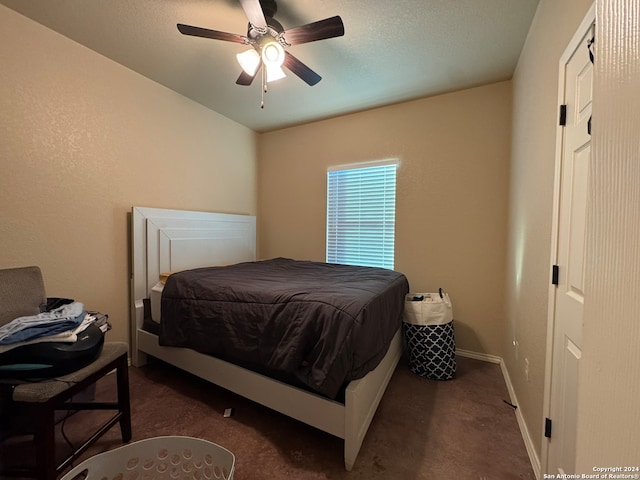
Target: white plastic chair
[159, 458]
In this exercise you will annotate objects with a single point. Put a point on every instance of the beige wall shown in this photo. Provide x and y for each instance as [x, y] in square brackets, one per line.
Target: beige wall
[535, 117]
[451, 196]
[82, 140]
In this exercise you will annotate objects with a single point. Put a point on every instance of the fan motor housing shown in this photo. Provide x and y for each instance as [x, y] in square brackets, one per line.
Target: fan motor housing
[273, 30]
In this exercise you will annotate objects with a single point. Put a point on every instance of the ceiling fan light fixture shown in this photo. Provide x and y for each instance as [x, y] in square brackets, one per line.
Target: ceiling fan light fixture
[249, 60]
[272, 54]
[269, 39]
[275, 72]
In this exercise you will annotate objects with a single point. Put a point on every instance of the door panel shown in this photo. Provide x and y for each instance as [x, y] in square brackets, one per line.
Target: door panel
[570, 293]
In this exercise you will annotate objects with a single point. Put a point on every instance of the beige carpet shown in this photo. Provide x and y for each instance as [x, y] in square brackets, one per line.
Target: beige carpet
[424, 429]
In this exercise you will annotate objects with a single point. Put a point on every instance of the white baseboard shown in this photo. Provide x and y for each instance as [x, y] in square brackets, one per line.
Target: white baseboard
[479, 356]
[526, 436]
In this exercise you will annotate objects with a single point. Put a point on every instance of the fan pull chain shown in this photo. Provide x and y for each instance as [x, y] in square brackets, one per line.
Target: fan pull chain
[264, 86]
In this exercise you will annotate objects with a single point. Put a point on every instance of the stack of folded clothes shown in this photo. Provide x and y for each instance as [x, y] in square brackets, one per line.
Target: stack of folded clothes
[62, 324]
[51, 343]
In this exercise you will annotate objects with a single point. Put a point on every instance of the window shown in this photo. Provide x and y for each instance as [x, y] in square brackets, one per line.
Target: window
[361, 205]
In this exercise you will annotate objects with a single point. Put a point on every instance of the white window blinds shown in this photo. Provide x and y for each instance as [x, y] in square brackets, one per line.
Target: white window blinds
[361, 204]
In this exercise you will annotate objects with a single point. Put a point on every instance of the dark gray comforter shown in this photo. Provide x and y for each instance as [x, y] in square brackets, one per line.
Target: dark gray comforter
[321, 325]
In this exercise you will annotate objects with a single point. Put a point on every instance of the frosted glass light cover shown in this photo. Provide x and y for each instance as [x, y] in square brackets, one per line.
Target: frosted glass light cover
[249, 60]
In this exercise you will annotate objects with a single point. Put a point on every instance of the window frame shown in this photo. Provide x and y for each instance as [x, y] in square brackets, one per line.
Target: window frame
[369, 252]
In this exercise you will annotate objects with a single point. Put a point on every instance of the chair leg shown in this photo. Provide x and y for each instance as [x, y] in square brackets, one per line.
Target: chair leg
[44, 418]
[124, 403]
[45, 443]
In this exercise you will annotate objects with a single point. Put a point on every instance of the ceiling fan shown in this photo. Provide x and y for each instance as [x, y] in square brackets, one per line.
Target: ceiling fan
[268, 39]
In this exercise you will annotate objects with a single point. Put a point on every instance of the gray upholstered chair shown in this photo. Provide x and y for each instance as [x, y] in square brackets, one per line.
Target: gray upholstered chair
[22, 293]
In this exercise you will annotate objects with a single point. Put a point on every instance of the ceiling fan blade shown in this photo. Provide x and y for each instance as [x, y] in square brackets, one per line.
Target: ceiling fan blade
[301, 70]
[245, 79]
[214, 34]
[253, 11]
[327, 28]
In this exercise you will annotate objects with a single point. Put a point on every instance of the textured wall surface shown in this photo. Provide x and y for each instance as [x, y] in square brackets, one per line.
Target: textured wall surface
[608, 415]
[451, 205]
[82, 140]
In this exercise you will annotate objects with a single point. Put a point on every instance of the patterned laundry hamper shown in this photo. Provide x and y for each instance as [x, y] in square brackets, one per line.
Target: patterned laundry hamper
[429, 334]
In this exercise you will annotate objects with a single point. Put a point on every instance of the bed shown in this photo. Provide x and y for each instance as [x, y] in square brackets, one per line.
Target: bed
[174, 240]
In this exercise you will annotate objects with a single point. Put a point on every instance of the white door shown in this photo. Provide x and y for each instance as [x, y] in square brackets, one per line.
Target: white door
[570, 294]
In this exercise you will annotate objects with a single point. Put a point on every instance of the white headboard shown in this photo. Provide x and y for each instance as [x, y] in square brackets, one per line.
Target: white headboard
[171, 240]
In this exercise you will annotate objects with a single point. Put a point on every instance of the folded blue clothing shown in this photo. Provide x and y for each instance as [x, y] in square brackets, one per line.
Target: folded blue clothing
[55, 321]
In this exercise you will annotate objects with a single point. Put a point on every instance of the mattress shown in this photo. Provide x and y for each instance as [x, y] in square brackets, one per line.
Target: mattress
[323, 325]
[155, 299]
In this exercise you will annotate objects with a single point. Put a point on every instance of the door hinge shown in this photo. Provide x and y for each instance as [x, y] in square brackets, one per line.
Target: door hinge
[547, 427]
[563, 115]
[555, 275]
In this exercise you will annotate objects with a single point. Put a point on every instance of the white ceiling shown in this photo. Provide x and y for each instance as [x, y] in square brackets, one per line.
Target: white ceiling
[392, 50]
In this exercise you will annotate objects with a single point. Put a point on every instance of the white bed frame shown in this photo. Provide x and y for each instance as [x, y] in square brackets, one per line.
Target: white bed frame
[170, 240]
